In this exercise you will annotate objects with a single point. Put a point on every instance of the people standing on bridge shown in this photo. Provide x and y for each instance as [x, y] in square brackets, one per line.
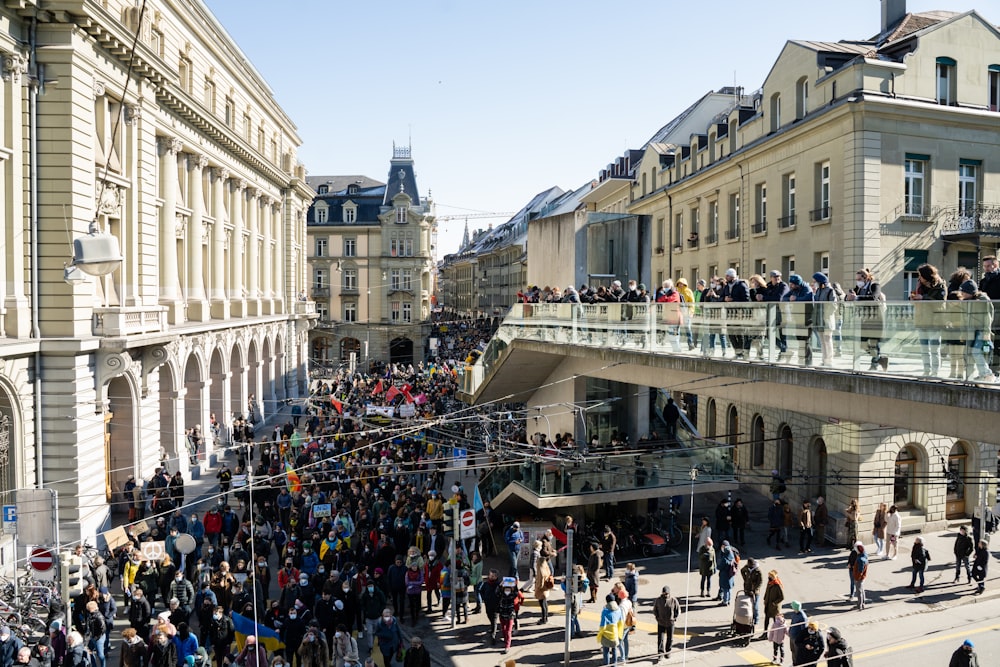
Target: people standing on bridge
[990, 285]
[775, 293]
[712, 294]
[866, 288]
[736, 292]
[687, 311]
[826, 300]
[978, 315]
[963, 549]
[979, 566]
[798, 319]
[929, 315]
[964, 656]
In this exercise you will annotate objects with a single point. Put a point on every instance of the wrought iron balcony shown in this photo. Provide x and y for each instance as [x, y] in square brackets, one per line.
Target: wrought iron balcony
[820, 214]
[732, 234]
[787, 222]
[760, 228]
[711, 239]
[979, 219]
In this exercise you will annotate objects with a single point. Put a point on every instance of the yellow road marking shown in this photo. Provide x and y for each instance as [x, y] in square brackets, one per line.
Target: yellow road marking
[924, 642]
[754, 658]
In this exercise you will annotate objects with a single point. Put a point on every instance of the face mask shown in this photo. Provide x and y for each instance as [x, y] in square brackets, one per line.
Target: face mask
[506, 591]
[303, 582]
[178, 579]
[218, 617]
[859, 283]
[371, 589]
[321, 570]
[338, 635]
[293, 616]
[211, 551]
[262, 563]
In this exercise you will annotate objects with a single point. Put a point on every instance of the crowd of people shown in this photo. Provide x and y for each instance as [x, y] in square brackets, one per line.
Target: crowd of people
[953, 318]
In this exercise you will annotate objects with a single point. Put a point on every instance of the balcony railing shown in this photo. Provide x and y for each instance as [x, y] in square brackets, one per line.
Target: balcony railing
[321, 291]
[820, 214]
[131, 321]
[732, 234]
[792, 333]
[979, 219]
[760, 228]
[305, 307]
[787, 222]
[711, 239]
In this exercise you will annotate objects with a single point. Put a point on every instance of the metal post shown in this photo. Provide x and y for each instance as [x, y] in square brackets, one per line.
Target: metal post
[253, 545]
[16, 593]
[455, 534]
[687, 594]
[570, 592]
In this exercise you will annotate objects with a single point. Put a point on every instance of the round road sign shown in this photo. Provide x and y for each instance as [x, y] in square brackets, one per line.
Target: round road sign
[41, 559]
[468, 518]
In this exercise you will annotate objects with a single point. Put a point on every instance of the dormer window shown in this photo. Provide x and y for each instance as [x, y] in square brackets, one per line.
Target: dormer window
[322, 213]
[350, 213]
[323, 189]
[946, 81]
[352, 189]
[400, 215]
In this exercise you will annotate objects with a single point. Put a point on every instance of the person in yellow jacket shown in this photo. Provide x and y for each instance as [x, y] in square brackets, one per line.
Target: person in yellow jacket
[688, 296]
[435, 506]
[611, 631]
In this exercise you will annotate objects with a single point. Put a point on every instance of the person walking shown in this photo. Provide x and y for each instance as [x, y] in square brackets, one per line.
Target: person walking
[488, 592]
[739, 522]
[775, 521]
[893, 529]
[774, 595]
[609, 636]
[544, 582]
[796, 628]
[980, 565]
[706, 567]
[805, 528]
[852, 516]
[509, 601]
[390, 638]
[666, 609]
[727, 566]
[514, 538]
[821, 517]
[879, 523]
[838, 653]
[776, 635]
[860, 573]
[752, 581]
[963, 549]
[918, 559]
[964, 656]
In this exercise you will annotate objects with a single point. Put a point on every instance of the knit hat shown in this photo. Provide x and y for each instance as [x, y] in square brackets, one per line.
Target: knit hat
[834, 632]
[969, 287]
[968, 642]
[820, 278]
[796, 605]
[731, 273]
[609, 598]
[795, 279]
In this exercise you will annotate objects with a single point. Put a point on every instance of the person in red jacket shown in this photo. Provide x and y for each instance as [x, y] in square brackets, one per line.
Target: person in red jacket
[287, 574]
[432, 578]
[213, 526]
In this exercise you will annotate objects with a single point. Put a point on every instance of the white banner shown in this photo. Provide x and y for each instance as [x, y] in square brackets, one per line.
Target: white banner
[380, 411]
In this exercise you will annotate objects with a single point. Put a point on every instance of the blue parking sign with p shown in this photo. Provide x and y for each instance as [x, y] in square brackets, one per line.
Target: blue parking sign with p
[10, 513]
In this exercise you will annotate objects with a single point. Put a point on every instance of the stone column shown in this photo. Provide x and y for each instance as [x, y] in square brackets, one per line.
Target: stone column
[197, 304]
[220, 304]
[267, 269]
[237, 287]
[169, 149]
[253, 255]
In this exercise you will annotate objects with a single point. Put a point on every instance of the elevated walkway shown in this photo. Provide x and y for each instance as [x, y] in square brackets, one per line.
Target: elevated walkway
[646, 344]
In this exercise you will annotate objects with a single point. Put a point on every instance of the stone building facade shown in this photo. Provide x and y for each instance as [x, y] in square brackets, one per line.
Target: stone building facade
[190, 164]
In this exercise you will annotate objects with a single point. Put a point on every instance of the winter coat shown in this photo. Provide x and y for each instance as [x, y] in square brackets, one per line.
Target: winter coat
[838, 653]
[919, 557]
[774, 595]
[666, 610]
[706, 561]
[778, 630]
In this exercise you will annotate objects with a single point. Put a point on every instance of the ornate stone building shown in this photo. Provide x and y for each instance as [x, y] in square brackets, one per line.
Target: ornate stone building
[371, 260]
[190, 164]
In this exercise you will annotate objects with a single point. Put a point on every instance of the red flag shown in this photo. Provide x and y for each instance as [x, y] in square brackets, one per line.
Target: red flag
[392, 393]
[406, 393]
[378, 388]
[406, 388]
[337, 405]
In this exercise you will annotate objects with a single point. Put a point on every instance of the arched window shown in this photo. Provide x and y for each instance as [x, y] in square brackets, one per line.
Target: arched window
[801, 98]
[786, 446]
[817, 467]
[733, 426]
[711, 431]
[757, 435]
[903, 495]
[958, 468]
[775, 112]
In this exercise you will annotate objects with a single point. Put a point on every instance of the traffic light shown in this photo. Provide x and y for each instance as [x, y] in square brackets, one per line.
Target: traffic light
[70, 578]
[448, 522]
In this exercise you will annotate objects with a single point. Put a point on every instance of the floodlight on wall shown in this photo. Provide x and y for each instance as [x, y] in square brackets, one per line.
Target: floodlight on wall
[97, 253]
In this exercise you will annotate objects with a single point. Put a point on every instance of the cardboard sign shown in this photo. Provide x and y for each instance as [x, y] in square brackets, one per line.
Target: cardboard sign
[322, 511]
[138, 528]
[116, 537]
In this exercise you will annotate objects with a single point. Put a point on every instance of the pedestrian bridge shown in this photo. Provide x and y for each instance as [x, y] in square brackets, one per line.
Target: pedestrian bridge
[813, 358]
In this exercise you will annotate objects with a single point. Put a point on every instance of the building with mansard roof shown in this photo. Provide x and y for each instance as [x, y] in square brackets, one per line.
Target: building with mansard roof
[371, 250]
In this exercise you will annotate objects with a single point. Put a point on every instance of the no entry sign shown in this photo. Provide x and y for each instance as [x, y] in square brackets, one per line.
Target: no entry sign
[41, 559]
[468, 521]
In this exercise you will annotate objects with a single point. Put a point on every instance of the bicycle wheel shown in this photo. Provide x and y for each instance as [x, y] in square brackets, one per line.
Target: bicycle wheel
[676, 536]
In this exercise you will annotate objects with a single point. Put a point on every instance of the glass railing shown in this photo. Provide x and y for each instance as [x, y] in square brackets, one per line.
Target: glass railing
[945, 341]
[645, 465]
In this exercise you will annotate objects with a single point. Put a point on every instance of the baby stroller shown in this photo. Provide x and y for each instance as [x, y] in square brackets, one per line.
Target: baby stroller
[742, 627]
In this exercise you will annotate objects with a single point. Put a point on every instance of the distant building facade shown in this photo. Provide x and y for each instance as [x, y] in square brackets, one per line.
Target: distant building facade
[371, 250]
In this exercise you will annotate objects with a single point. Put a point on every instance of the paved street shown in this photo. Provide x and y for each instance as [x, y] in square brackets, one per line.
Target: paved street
[896, 620]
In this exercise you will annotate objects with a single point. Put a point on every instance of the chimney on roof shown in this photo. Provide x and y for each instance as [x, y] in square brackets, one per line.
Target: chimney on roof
[893, 12]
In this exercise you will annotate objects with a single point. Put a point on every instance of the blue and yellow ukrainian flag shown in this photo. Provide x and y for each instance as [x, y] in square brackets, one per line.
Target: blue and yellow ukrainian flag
[267, 637]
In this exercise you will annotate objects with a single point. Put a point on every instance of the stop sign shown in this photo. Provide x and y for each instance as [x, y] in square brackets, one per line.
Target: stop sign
[41, 559]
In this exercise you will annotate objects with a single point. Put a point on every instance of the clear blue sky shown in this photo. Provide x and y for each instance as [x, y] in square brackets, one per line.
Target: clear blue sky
[503, 100]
